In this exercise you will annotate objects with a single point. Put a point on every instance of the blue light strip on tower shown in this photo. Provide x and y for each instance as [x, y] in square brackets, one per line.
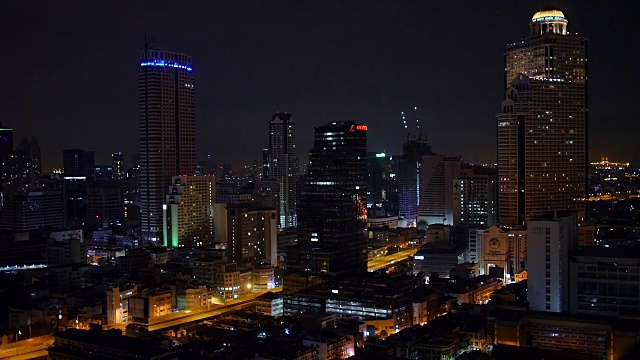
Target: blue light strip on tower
[162, 63]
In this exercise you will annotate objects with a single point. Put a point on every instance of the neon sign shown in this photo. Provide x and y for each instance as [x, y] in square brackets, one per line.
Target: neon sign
[358, 127]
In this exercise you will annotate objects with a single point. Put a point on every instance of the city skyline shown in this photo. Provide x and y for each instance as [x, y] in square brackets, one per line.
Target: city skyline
[361, 61]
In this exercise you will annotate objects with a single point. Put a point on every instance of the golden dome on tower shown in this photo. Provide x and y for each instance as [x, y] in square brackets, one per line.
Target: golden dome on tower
[550, 14]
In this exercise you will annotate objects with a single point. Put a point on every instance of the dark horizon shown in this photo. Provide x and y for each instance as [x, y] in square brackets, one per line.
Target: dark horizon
[71, 77]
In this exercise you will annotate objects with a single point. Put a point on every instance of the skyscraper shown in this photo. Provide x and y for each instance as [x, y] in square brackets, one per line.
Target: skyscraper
[542, 130]
[332, 211]
[78, 164]
[410, 178]
[379, 181]
[282, 162]
[167, 131]
[30, 148]
[117, 161]
[436, 197]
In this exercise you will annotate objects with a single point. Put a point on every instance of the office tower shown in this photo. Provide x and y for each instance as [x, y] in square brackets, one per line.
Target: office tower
[410, 178]
[475, 197]
[265, 193]
[22, 166]
[30, 148]
[249, 231]
[104, 205]
[542, 130]
[188, 211]
[103, 174]
[31, 210]
[332, 212]
[282, 162]
[436, 197]
[167, 131]
[117, 162]
[551, 238]
[379, 181]
[231, 193]
[78, 164]
[207, 166]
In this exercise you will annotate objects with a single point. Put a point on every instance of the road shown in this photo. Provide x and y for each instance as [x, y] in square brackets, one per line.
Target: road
[27, 349]
[37, 347]
[184, 317]
[384, 261]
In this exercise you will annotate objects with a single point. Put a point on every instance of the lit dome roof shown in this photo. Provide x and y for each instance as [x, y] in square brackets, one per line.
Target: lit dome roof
[552, 13]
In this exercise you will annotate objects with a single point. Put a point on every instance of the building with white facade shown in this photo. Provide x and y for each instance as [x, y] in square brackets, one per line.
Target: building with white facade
[551, 238]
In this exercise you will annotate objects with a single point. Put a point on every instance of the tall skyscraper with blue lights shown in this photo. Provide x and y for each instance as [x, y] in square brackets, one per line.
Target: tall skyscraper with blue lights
[167, 131]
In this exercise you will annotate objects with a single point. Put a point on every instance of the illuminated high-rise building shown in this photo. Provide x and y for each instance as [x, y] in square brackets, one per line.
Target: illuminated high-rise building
[167, 131]
[542, 130]
[410, 178]
[438, 174]
[332, 211]
[188, 211]
[281, 166]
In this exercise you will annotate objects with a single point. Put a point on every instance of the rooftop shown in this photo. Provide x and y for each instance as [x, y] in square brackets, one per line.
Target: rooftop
[631, 252]
[548, 14]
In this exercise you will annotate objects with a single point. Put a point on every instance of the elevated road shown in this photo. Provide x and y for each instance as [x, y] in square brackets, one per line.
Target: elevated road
[35, 348]
[27, 349]
[386, 261]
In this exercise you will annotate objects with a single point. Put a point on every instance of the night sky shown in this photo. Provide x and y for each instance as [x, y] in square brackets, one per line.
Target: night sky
[68, 71]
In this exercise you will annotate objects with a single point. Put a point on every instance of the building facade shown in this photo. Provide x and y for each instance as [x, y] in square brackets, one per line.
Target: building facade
[104, 205]
[475, 198]
[252, 235]
[436, 197]
[542, 129]
[166, 99]
[188, 211]
[551, 238]
[332, 213]
[410, 178]
[282, 162]
[77, 163]
[503, 251]
[605, 281]
[32, 210]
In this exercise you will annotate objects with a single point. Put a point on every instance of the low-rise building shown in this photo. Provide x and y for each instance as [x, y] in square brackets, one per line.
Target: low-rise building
[329, 345]
[606, 281]
[118, 304]
[150, 304]
[270, 304]
[110, 344]
[439, 258]
[192, 297]
[263, 278]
